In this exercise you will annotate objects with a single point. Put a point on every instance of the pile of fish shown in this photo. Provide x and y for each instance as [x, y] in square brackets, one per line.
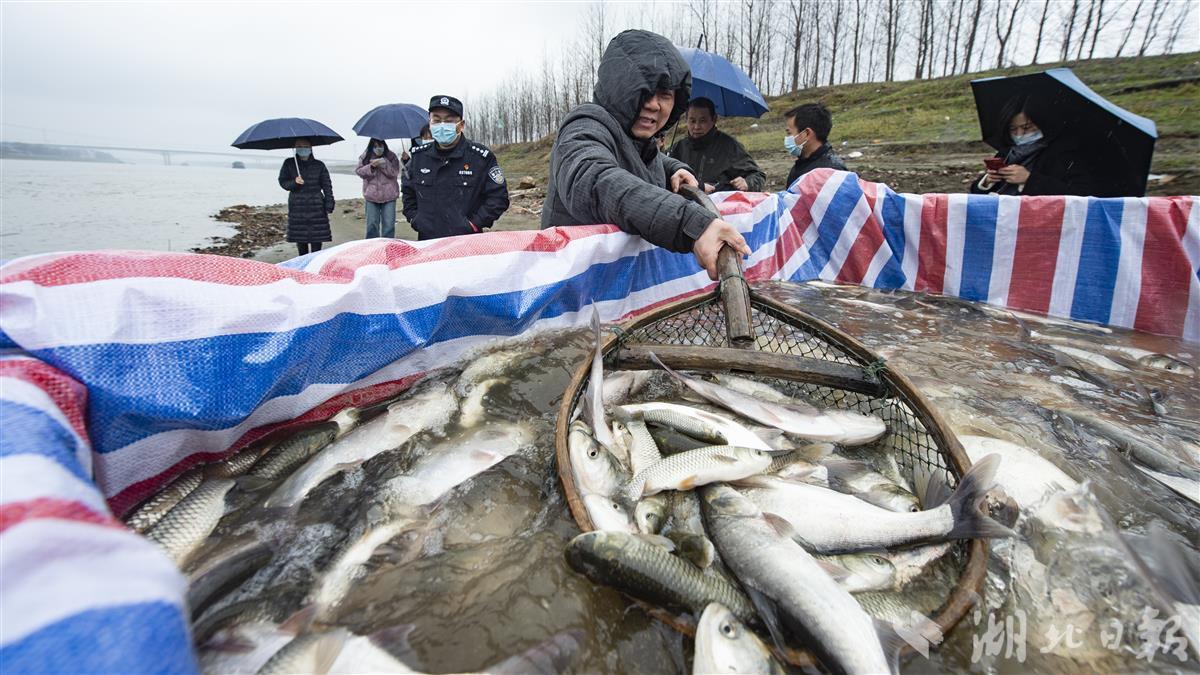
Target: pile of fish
[263, 488]
[741, 505]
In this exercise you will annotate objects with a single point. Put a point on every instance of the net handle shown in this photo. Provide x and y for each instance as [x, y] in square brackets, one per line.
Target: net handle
[735, 292]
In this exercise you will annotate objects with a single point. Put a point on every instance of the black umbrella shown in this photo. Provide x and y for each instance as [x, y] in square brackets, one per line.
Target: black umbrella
[393, 120]
[281, 133]
[1075, 109]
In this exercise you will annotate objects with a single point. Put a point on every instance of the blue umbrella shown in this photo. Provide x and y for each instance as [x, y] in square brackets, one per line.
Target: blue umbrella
[731, 91]
[393, 120]
[1127, 138]
[283, 132]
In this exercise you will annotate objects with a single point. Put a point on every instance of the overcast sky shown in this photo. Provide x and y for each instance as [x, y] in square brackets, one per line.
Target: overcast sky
[195, 75]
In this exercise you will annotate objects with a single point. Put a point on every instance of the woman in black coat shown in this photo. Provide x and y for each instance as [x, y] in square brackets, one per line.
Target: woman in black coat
[310, 200]
[1040, 159]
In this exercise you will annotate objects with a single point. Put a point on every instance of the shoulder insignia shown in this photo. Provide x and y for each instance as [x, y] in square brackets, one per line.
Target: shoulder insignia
[496, 175]
[481, 149]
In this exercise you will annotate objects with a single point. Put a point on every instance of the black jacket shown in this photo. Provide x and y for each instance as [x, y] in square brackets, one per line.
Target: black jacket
[309, 205]
[718, 158]
[460, 190]
[1063, 167]
[600, 173]
[823, 158]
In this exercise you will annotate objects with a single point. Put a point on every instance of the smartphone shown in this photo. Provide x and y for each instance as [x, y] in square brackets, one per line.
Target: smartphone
[994, 163]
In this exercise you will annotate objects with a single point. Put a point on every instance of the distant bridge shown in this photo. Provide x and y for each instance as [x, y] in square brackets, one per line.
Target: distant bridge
[167, 154]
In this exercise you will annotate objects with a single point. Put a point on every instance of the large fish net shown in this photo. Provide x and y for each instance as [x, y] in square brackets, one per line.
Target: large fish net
[808, 359]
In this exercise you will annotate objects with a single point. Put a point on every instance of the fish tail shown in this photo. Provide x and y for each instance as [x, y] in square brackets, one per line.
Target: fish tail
[970, 522]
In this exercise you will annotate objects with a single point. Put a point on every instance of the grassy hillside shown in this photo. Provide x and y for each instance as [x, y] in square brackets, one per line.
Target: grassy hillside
[923, 136]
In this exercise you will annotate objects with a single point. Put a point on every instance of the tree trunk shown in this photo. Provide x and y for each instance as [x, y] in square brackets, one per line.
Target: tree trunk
[1037, 45]
[971, 38]
[1069, 29]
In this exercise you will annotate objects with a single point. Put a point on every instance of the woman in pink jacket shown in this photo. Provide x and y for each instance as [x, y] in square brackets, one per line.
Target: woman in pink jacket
[379, 169]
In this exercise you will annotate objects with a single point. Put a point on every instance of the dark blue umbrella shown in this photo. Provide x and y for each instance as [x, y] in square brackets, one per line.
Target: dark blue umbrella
[1127, 139]
[393, 120]
[731, 91]
[283, 132]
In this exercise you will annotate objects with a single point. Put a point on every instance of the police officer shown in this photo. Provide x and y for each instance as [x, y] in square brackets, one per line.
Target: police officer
[453, 185]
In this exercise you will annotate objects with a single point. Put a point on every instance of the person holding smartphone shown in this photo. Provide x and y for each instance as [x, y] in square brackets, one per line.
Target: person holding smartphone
[1036, 160]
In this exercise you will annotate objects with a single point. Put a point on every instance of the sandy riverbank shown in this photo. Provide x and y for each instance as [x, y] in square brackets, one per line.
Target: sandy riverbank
[261, 229]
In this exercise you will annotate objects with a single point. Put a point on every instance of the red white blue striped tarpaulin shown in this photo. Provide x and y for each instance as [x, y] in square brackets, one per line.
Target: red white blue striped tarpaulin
[119, 369]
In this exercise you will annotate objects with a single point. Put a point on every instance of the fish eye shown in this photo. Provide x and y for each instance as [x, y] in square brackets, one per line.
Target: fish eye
[878, 560]
[728, 629]
[593, 453]
[614, 506]
[914, 508]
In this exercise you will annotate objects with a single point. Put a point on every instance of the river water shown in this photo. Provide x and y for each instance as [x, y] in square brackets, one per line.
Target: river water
[487, 577]
[78, 206]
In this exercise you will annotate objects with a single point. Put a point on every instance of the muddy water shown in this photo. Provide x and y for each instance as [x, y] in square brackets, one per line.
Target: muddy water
[481, 574]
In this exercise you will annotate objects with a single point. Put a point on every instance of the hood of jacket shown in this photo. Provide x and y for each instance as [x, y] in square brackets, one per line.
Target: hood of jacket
[636, 64]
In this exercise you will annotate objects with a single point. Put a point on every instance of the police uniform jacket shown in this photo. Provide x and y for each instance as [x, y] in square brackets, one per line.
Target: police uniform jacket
[451, 191]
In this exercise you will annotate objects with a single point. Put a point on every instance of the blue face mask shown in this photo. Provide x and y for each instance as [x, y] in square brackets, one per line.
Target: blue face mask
[378, 150]
[1031, 137]
[789, 144]
[444, 132]
[303, 153]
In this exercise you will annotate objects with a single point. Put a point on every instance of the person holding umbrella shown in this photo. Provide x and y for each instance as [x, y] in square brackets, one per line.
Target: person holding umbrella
[379, 168]
[1032, 162]
[310, 200]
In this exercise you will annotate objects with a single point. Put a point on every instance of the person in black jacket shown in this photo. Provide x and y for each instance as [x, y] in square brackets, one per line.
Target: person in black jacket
[310, 198]
[453, 185]
[721, 163]
[1040, 159]
[606, 166]
[807, 140]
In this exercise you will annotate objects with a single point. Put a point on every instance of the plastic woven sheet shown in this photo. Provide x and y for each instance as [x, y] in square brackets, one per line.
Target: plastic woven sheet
[120, 370]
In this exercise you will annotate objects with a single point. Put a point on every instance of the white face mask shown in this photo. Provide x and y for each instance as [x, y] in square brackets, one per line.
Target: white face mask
[1031, 137]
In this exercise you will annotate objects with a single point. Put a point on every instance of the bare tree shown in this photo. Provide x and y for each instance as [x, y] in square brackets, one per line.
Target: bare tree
[1137, 11]
[1069, 29]
[1037, 45]
[1004, 29]
[857, 50]
[1185, 9]
[835, 33]
[796, 13]
[971, 37]
[1157, 10]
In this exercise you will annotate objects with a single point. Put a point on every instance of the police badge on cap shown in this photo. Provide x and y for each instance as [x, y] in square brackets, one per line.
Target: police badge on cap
[447, 103]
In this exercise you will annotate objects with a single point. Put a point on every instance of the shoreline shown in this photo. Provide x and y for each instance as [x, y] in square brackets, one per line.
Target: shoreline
[259, 231]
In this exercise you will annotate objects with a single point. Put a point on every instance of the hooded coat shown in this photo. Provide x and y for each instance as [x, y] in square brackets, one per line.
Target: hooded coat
[309, 205]
[600, 173]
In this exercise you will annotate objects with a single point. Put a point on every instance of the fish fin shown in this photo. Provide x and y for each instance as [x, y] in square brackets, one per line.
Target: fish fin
[634, 489]
[252, 483]
[932, 488]
[688, 483]
[300, 621]
[815, 452]
[768, 611]
[657, 540]
[549, 657]
[970, 522]
[840, 468]
[394, 640]
[329, 647]
[918, 632]
[725, 459]
[835, 571]
[780, 524]
[230, 644]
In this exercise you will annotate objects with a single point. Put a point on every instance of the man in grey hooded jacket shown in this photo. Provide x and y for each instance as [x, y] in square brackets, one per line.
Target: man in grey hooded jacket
[606, 168]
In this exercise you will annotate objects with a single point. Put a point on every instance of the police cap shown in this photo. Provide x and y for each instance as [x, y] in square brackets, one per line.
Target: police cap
[448, 102]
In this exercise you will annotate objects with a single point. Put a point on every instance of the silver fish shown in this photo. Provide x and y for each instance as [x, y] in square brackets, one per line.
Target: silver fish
[826, 521]
[701, 424]
[473, 411]
[595, 469]
[152, 510]
[1167, 363]
[650, 513]
[307, 653]
[606, 514]
[429, 408]
[187, 525]
[773, 565]
[643, 451]
[619, 386]
[290, 453]
[862, 571]
[348, 567]
[862, 481]
[595, 390]
[688, 470]
[725, 645]
[455, 461]
[838, 426]
[649, 572]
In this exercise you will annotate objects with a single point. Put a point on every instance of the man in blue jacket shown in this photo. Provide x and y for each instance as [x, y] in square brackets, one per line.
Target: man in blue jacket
[453, 185]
